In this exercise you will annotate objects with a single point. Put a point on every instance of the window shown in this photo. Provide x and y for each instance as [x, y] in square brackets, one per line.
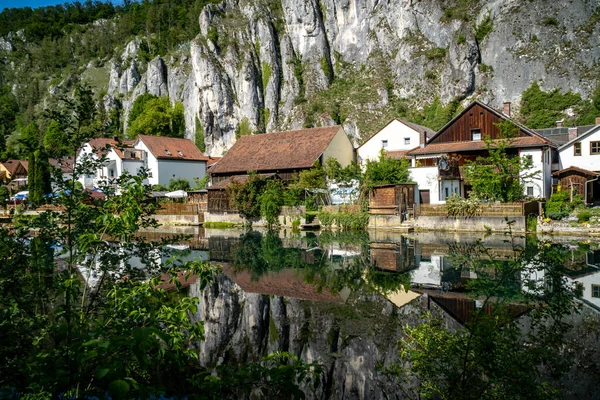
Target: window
[529, 158]
[594, 147]
[112, 173]
[168, 152]
[179, 153]
[384, 144]
[406, 140]
[577, 149]
[530, 191]
[596, 291]
[476, 135]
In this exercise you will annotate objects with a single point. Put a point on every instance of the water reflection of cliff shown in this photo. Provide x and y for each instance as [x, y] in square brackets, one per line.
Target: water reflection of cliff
[343, 300]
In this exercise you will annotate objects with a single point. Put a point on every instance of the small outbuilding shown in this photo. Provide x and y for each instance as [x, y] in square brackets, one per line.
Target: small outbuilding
[583, 182]
[392, 199]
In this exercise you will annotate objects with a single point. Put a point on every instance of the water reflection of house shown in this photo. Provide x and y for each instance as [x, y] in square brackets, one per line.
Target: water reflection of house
[393, 257]
[285, 283]
[463, 307]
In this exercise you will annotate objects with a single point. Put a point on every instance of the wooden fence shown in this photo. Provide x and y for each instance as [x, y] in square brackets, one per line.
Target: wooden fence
[485, 210]
[179, 209]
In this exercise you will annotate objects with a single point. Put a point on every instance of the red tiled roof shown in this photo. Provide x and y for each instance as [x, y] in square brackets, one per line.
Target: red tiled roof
[276, 151]
[285, 283]
[66, 164]
[99, 144]
[172, 148]
[212, 160]
[12, 165]
[452, 147]
[576, 169]
[398, 154]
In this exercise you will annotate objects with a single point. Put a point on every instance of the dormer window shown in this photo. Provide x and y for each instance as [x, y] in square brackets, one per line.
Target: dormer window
[179, 153]
[168, 152]
[476, 135]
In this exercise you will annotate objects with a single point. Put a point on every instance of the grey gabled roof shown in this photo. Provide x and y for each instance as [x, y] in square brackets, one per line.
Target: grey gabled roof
[582, 136]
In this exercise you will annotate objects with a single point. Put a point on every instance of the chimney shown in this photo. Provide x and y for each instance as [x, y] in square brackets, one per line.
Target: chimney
[572, 133]
[597, 120]
[506, 109]
[422, 139]
[559, 124]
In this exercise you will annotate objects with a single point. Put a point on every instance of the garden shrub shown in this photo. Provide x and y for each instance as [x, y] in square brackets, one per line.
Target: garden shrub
[344, 221]
[584, 216]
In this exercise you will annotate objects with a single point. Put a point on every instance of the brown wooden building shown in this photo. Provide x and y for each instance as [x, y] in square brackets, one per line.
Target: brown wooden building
[463, 139]
[581, 181]
[392, 199]
[283, 153]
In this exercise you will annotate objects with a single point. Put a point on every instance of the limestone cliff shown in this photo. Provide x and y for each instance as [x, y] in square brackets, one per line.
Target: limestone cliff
[268, 65]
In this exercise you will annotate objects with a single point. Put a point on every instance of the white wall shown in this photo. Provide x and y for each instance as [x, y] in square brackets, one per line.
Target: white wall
[427, 179]
[585, 160]
[340, 148]
[394, 133]
[543, 180]
[176, 169]
[151, 163]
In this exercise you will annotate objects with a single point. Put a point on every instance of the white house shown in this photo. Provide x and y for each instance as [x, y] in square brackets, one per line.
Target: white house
[120, 157]
[165, 158]
[397, 135]
[171, 158]
[580, 163]
[582, 151]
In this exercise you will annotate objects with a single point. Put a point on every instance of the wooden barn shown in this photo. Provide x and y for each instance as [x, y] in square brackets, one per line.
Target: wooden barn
[283, 153]
[583, 182]
[393, 199]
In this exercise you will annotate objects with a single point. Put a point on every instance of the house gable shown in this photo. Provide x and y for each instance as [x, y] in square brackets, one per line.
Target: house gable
[398, 135]
[476, 117]
[585, 157]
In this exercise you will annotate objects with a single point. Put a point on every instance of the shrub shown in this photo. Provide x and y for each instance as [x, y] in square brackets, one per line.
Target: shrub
[458, 206]
[584, 216]
[271, 201]
[218, 225]
[344, 221]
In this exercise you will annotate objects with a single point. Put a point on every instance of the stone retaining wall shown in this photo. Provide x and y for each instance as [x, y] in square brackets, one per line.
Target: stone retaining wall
[483, 224]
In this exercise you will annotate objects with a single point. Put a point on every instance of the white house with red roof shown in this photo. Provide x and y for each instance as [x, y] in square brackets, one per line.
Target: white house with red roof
[171, 158]
[165, 158]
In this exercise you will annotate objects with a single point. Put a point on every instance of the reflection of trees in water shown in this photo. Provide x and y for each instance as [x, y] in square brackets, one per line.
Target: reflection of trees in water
[499, 353]
[264, 253]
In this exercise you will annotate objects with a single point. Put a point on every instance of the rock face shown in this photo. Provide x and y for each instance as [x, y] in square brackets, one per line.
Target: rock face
[350, 340]
[258, 66]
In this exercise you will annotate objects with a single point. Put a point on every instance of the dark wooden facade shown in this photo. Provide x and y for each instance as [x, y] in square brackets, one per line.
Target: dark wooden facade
[576, 180]
[219, 201]
[392, 199]
[475, 117]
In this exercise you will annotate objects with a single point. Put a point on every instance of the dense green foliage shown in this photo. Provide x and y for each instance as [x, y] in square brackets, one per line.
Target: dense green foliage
[245, 195]
[345, 221]
[500, 176]
[179, 184]
[271, 201]
[151, 115]
[199, 138]
[561, 203]
[492, 357]
[540, 109]
[386, 170]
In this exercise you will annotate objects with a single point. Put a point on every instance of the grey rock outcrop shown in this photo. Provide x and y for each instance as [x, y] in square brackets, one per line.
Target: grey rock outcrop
[262, 66]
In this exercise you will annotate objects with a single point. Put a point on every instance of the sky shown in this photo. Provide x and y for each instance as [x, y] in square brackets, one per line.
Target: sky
[32, 3]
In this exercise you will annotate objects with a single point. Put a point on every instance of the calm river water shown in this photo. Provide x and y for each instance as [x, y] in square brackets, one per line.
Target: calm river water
[338, 298]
